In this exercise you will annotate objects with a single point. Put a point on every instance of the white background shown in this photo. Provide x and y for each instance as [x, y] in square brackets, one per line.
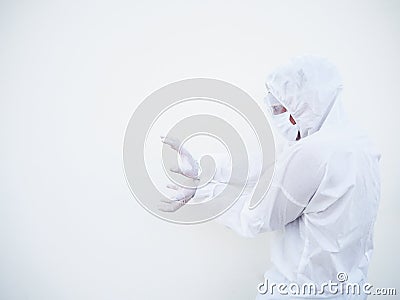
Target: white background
[72, 73]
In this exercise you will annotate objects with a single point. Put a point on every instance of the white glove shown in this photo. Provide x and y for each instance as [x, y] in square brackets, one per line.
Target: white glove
[189, 168]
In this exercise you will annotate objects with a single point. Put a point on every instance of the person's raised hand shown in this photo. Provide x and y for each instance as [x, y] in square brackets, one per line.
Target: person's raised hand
[189, 167]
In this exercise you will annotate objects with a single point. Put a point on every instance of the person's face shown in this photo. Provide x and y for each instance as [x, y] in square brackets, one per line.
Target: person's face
[282, 110]
[277, 108]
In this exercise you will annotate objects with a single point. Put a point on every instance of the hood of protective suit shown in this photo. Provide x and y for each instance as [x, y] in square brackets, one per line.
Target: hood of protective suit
[309, 87]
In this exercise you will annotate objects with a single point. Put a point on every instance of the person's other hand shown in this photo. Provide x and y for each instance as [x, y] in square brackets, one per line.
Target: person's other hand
[181, 197]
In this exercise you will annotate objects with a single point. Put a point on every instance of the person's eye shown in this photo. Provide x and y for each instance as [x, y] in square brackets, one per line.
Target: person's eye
[278, 109]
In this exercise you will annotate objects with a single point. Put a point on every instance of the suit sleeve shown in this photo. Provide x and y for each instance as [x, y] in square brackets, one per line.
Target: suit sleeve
[296, 178]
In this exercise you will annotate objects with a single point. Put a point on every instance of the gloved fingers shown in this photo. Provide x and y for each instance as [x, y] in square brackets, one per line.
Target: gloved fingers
[172, 142]
[176, 170]
[170, 206]
[180, 199]
[172, 186]
[192, 168]
[166, 200]
[186, 154]
[183, 196]
[167, 207]
[192, 174]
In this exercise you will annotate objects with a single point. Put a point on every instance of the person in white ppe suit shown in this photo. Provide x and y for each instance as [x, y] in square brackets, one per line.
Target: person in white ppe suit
[324, 195]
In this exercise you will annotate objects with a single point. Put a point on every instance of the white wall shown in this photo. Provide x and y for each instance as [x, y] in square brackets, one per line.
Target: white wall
[71, 74]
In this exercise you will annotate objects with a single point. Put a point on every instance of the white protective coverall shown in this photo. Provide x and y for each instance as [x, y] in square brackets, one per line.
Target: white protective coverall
[324, 194]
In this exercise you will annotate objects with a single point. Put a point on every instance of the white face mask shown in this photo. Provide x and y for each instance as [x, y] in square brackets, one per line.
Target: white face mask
[284, 126]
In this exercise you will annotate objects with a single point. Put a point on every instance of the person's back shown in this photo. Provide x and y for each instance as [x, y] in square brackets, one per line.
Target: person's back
[333, 235]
